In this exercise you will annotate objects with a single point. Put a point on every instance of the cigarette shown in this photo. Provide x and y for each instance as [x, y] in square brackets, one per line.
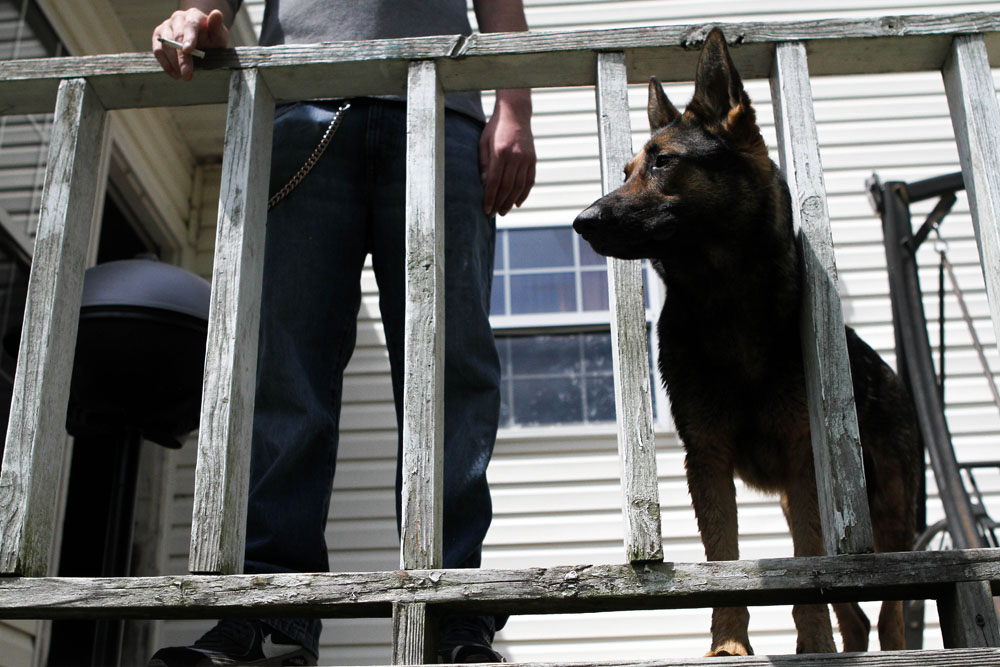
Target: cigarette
[198, 53]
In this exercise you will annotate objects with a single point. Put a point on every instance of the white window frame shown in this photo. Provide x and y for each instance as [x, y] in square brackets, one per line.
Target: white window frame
[579, 322]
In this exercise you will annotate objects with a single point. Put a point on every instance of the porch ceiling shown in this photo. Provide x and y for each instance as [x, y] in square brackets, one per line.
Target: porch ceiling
[202, 127]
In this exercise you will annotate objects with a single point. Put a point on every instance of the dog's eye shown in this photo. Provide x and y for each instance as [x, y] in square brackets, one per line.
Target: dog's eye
[662, 160]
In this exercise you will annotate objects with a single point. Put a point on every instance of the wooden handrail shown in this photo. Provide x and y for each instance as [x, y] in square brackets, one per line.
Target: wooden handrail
[498, 60]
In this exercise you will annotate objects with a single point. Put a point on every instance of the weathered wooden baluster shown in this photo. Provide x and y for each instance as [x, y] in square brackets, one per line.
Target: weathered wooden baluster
[629, 344]
[840, 479]
[218, 527]
[969, 612]
[423, 388]
[36, 433]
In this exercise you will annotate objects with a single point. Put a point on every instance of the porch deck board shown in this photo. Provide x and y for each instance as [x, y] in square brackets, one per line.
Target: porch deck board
[563, 589]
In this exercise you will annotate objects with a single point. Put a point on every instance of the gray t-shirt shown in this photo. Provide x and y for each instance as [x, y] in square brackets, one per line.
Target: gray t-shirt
[312, 21]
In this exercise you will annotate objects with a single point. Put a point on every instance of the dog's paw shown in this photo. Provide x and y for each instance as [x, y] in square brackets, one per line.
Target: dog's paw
[730, 648]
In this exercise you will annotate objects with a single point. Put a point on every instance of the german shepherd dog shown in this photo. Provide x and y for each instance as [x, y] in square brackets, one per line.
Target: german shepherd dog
[704, 202]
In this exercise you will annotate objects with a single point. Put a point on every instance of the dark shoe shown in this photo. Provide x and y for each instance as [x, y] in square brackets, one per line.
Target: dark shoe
[467, 640]
[468, 654]
[236, 642]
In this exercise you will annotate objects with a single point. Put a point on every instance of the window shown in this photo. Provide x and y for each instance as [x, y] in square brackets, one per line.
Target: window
[552, 323]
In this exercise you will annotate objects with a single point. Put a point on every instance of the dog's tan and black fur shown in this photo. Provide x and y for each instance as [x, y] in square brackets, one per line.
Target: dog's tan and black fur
[705, 203]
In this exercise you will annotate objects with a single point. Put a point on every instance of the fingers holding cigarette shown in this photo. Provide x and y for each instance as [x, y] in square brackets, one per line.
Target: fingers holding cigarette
[175, 40]
[197, 53]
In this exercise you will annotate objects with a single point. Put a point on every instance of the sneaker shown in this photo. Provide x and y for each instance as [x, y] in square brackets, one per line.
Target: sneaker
[236, 642]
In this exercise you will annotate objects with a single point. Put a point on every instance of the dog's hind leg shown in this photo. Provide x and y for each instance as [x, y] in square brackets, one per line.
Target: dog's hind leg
[713, 494]
[812, 621]
[893, 520]
[898, 465]
[854, 626]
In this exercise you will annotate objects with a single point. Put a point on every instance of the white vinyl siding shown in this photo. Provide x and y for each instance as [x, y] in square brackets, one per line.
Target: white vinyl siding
[555, 490]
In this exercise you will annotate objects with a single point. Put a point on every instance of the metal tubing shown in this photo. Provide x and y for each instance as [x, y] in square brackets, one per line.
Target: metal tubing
[914, 360]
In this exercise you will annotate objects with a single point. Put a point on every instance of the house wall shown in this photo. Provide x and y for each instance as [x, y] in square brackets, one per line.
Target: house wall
[556, 490]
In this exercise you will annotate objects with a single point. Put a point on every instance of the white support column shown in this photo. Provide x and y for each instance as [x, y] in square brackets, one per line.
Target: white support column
[629, 343]
[423, 389]
[218, 530]
[840, 479]
[423, 380]
[975, 115]
[36, 432]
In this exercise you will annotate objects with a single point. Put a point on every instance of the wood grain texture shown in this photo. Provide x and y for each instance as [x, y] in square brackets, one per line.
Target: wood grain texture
[833, 420]
[969, 658]
[223, 467]
[564, 589]
[411, 643]
[975, 115]
[498, 60]
[36, 433]
[629, 343]
[969, 616]
[423, 374]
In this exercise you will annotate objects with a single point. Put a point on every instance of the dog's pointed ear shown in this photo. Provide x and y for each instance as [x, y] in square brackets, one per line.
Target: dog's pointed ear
[720, 100]
[659, 108]
[718, 89]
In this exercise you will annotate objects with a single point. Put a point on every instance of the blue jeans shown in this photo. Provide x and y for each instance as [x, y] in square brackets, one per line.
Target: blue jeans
[352, 204]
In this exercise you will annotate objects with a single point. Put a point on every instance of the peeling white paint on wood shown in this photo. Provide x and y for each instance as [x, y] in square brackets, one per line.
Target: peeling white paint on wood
[840, 479]
[629, 344]
[423, 379]
[36, 433]
[223, 472]
[975, 117]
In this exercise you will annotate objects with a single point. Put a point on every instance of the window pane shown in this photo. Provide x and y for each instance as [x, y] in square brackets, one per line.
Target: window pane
[540, 248]
[600, 398]
[588, 257]
[548, 401]
[595, 290]
[505, 402]
[498, 263]
[497, 301]
[597, 353]
[556, 379]
[545, 355]
[542, 293]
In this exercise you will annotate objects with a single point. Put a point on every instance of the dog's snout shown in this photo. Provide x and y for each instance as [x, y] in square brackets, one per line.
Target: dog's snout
[588, 219]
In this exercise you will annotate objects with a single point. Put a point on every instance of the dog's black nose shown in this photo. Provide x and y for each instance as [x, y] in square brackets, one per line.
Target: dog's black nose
[588, 219]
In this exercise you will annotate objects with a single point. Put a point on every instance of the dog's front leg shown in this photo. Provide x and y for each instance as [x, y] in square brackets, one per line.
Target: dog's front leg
[713, 494]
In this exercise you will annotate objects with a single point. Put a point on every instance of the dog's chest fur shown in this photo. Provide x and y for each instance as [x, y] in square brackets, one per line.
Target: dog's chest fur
[730, 356]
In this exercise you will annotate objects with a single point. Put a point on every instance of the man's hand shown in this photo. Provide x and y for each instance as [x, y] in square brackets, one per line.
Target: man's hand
[507, 148]
[507, 153]
[192, 27]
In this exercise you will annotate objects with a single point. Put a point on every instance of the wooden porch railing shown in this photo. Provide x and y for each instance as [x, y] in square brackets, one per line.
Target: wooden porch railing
[250, 80]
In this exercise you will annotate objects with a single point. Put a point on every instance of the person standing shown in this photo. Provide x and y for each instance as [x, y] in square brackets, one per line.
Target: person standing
[350, 205]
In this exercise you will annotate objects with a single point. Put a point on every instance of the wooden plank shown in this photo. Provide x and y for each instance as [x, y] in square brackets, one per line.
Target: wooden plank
[975, 115]
[497, 60]
[969, 616]
[36, 433]
[223, 467]
[410, 641]
[423, 380]
[833, 420]
[629, 345]
[564, 589]
[968, 658]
